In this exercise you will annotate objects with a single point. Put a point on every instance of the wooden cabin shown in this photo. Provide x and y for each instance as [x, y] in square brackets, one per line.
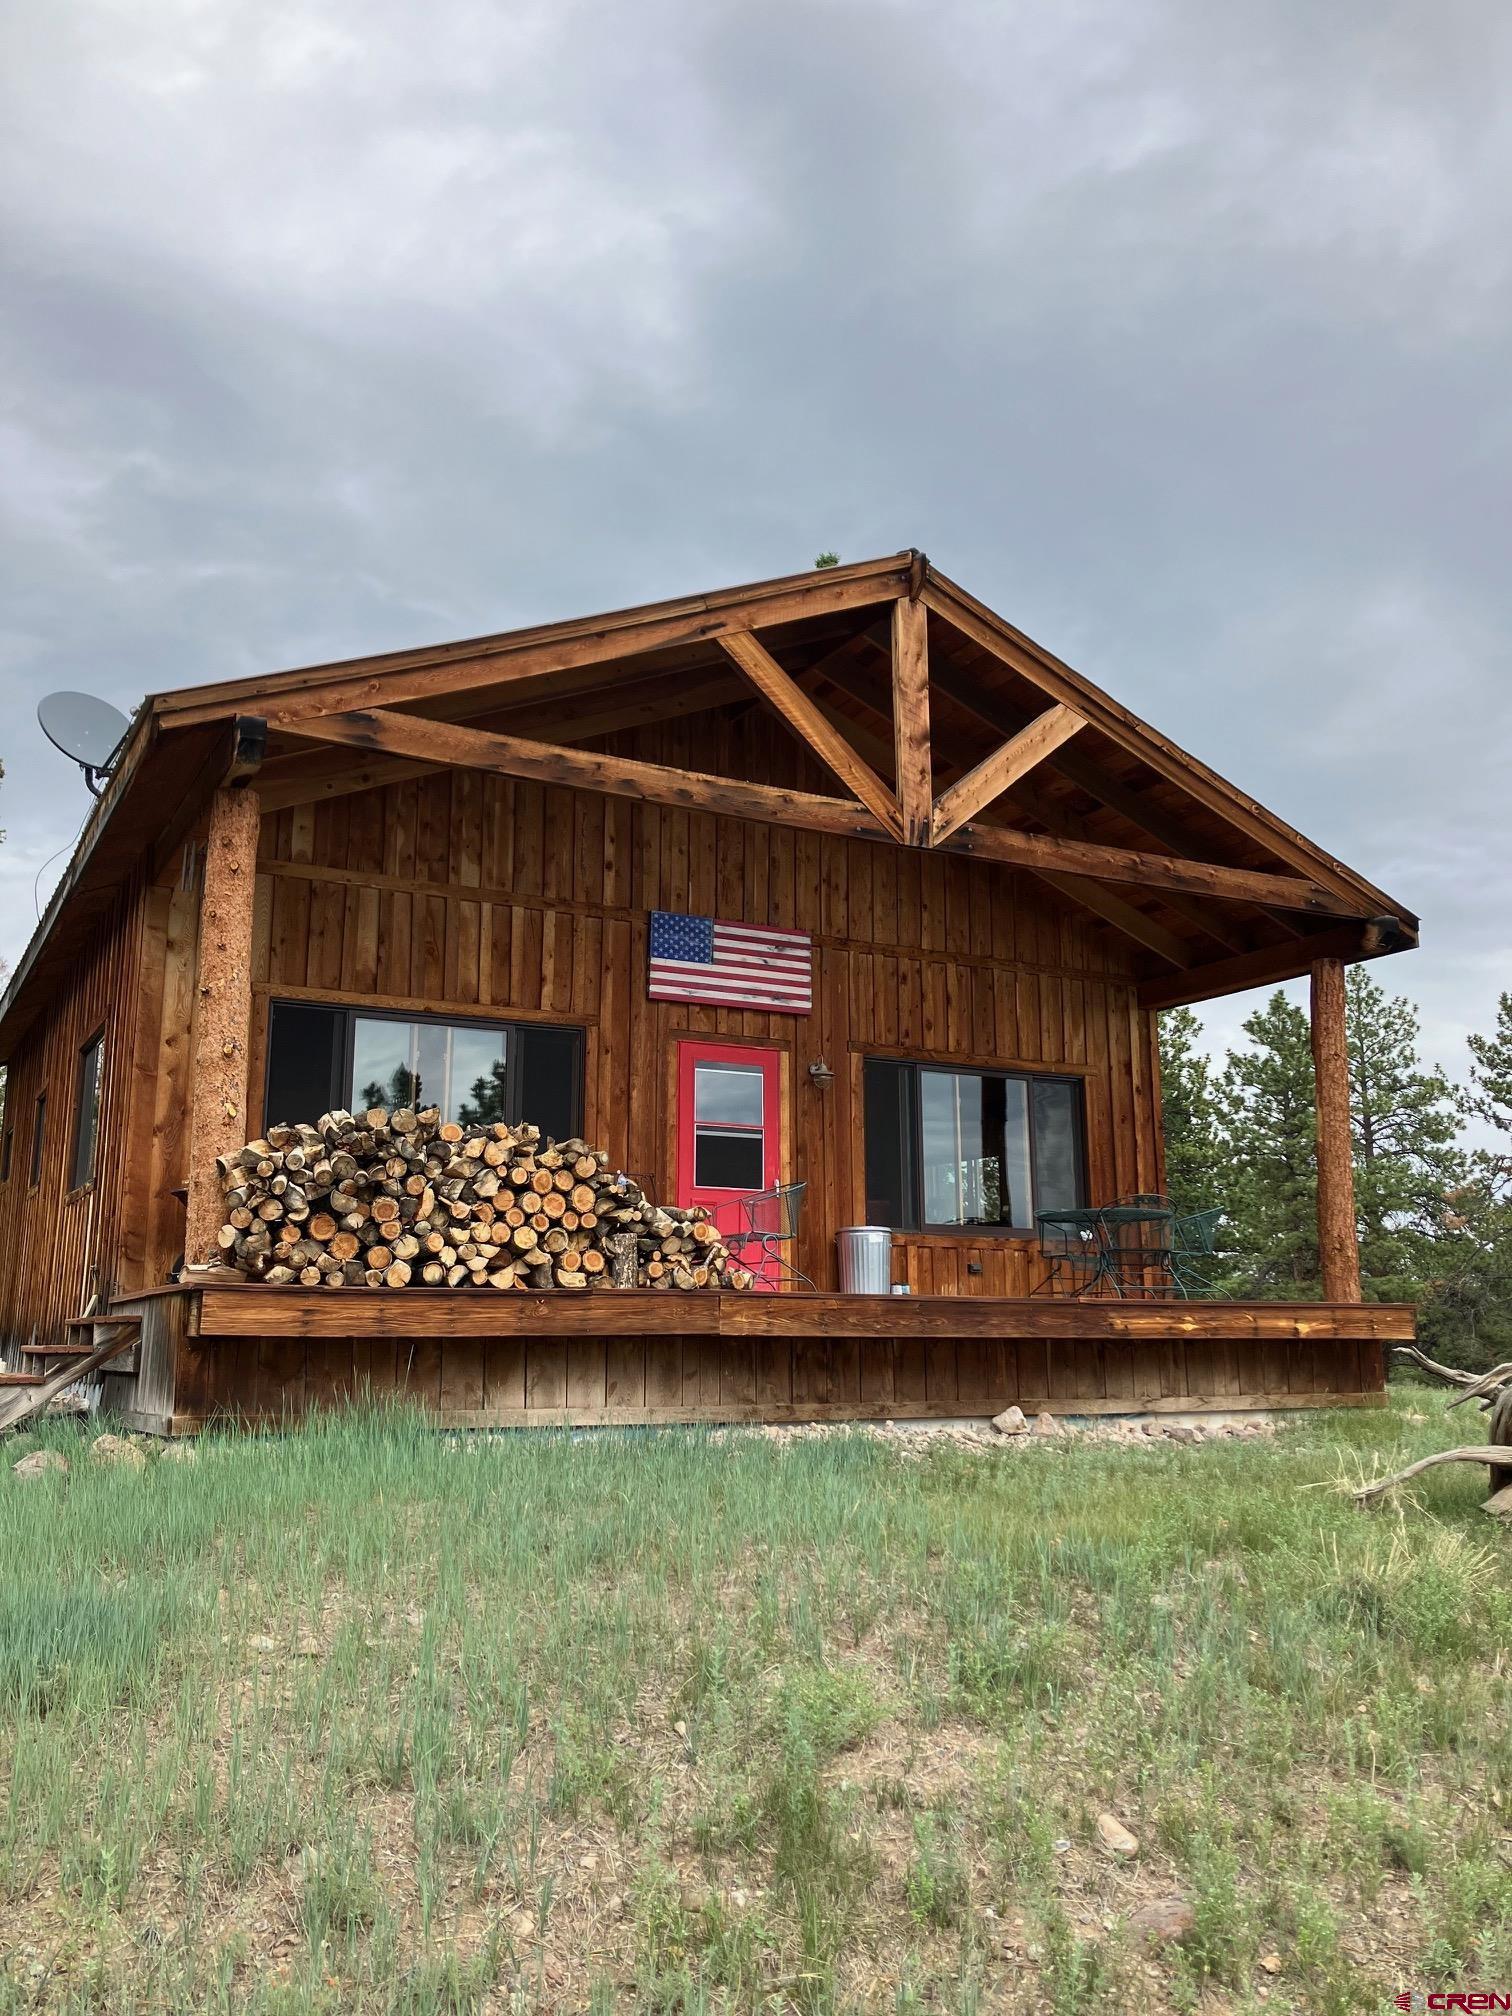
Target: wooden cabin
[447, 860]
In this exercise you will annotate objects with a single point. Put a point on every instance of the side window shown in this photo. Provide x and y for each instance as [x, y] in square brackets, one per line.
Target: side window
[87, 1112]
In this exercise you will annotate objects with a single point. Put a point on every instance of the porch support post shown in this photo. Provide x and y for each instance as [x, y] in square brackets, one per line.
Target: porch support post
[223, 1012]
[1338, 1243]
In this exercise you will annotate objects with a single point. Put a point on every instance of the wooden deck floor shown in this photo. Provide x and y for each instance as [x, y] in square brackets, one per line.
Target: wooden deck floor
[264, 1354]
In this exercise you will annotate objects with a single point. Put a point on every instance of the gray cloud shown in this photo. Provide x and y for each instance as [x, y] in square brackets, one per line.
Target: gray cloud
[1178, 333]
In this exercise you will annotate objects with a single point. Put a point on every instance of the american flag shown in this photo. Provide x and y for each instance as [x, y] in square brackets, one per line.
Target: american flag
[731, 965]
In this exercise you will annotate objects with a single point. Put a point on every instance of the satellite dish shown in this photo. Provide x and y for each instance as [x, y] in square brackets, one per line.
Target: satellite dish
[88, 730]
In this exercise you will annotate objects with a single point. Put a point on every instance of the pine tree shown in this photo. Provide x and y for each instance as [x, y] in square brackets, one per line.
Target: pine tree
[1488, 1098]
[1405, 1124]
[1466, 1316]
[1268, 1132]
[1193, 1147]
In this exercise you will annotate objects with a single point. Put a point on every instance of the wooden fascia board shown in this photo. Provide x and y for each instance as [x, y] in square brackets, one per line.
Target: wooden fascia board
[1000, 771]
[140, 739]
[1372, 939]
[813, 728]
[402, 677]
[1031, 662]
[446, 743]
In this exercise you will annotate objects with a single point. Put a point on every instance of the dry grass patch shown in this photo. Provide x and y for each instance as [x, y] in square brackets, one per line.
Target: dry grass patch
[365, 1718]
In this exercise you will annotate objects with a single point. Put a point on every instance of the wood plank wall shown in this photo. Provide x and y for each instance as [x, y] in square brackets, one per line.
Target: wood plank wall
[460, 893]
[59, 1244]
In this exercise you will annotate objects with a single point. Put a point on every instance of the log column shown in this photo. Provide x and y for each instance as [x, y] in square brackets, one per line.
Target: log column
[1338, 1242]
[223, 1012]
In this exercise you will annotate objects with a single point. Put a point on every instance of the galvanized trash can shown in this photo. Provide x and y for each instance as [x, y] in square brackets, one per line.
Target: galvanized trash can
[865, 1260]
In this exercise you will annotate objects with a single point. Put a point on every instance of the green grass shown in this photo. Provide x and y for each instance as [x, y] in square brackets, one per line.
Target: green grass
[365, 1718]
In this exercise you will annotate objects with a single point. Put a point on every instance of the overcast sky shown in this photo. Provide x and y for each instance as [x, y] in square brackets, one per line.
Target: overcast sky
[1177, 332]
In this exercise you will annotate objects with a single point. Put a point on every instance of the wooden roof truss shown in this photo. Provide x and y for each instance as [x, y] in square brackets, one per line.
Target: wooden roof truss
[933, 723]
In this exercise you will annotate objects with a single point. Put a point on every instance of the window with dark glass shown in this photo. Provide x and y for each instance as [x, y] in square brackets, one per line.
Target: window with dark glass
[476, 1072]
[39, 1126]
[968, 1150]
[729, 1134]
[87, 1111]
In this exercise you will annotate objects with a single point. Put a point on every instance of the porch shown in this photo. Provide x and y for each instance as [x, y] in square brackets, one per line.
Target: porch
[266, 1355]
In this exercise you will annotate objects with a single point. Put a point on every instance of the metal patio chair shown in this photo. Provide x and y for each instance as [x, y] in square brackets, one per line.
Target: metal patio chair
[765, 1223]
[1194, 1241]
[1139, 1235]
[1071, 1241]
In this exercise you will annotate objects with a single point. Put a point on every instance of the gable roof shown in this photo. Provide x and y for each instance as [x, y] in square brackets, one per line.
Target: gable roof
[1086, 819]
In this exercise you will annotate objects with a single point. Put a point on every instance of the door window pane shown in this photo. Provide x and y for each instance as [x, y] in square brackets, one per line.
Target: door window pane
[727, 1161]
[730, 1095]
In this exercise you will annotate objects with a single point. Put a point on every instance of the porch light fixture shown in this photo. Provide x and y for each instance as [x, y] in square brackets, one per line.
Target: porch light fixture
[820, 1075]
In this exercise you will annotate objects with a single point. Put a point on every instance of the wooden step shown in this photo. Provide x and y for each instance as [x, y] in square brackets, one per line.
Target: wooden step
[103, 1323]
[58, 1350]
[22, 1378]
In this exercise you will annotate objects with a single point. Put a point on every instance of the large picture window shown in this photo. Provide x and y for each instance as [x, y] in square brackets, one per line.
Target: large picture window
[322, 1057]
[969, 1150]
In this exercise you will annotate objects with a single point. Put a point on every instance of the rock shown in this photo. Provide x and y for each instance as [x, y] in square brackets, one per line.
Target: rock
[42, 1463]
[1114, 1835]
[1046, 1424]
[1499, 1504]
[180, 1452]
[1271, 1962]
[115, 1449]
[1166, 1918]
[1182, 1431]
[1011, 1421]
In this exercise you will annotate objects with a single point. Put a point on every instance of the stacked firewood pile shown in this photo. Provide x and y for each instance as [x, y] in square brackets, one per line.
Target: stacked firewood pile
[403, 1198]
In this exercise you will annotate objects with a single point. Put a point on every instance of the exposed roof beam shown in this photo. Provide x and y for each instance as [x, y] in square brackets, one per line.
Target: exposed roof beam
[306, 778]
[913, 764]
[1015, 650]
[1149, 871]
[1000, 771]
[813, 728]
[1103, 903]
[1083, 770]
[446, 742]
[1126, 917]
[1368, 939]
[841, 670]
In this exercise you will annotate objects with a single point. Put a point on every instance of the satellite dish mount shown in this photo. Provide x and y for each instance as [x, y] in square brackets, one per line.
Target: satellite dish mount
[88, 730]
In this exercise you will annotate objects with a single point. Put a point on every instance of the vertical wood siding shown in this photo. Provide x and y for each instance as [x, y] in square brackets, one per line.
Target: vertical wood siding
[461, 893]
[58, 1245]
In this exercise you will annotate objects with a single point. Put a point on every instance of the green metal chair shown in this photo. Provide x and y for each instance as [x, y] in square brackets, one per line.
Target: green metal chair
[1194, 1242]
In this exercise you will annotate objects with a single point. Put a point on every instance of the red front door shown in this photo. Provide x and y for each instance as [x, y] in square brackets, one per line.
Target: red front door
[728, 1129]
